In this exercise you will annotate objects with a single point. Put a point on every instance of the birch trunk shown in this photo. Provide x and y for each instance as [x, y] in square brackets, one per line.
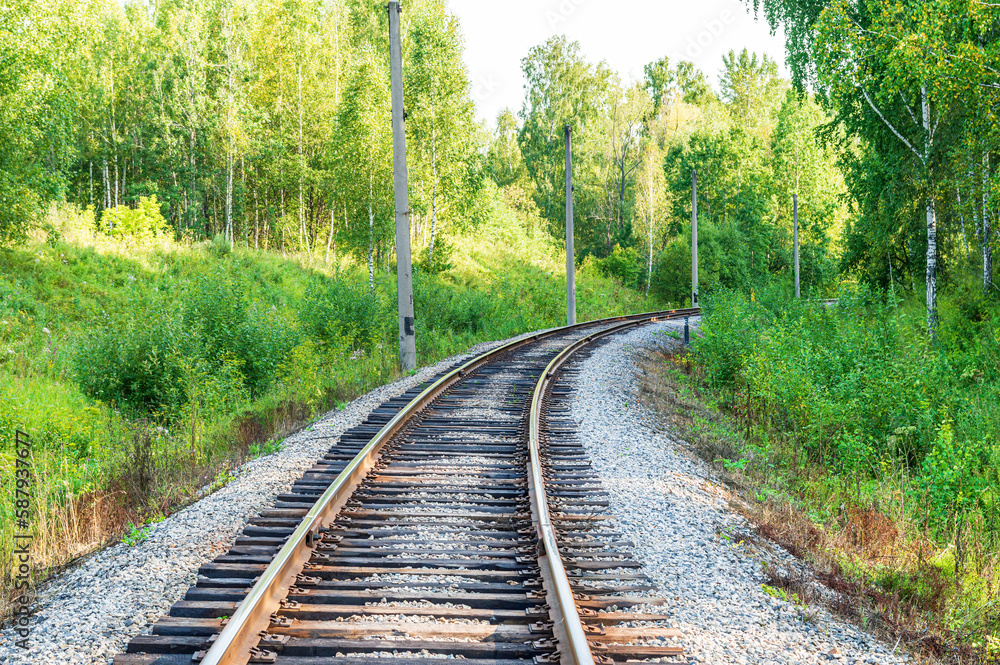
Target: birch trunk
[987, 249]
[329, 238]
[229, 196]
[107, 186]
[302, 168]
[961, 217]
[932, 254]
[371, 237]
[191, 204]
[430, 251]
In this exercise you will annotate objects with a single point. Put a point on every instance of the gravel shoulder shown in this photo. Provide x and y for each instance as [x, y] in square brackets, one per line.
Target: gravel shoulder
[703, 557]
[90, 612]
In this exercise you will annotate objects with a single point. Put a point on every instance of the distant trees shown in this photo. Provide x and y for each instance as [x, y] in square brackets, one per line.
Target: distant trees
[37, 107]
[635, 146]
[260, 120]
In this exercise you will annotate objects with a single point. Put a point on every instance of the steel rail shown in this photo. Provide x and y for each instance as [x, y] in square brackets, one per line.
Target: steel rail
[574, 648]
[241, 633]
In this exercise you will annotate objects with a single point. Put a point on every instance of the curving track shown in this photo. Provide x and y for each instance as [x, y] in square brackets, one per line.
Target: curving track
[461, 520]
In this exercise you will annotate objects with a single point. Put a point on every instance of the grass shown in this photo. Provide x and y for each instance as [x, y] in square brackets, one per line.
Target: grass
[850, 478]
[147, 369]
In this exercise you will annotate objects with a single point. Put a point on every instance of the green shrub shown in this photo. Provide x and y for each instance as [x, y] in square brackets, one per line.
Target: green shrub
[625, 265]
[338, 310]
[221, 246]
[141, 223]
[137, 363]
[223, 320]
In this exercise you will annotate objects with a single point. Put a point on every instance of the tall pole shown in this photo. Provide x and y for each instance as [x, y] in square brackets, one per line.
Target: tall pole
[570, 260]
[694, 238]
[795, 216]
[404, 275]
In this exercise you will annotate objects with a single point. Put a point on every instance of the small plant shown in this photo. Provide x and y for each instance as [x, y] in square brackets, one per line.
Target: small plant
[221, 246]
[136, 535]
[264, 449]
[733, 465]
[222, 479]
[781, 594]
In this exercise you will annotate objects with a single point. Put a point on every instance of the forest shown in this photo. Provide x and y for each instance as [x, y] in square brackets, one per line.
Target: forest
[196, 220]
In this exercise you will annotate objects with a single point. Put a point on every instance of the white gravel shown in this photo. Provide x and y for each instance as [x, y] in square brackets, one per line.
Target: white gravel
[675, 511]
[90, 612]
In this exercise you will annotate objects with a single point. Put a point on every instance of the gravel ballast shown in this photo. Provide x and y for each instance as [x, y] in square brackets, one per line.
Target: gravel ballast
[675, 511]
[89, 613]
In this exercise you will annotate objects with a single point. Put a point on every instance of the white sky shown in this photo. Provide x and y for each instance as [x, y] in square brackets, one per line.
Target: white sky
[626, 33]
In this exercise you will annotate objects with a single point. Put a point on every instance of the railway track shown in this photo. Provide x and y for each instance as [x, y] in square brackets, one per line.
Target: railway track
[462, 519]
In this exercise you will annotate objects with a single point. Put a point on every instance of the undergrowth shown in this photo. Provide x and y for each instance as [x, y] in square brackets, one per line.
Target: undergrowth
[861, 447]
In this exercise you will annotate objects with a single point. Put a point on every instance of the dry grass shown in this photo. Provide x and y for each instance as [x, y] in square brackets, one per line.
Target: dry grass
[870, 561]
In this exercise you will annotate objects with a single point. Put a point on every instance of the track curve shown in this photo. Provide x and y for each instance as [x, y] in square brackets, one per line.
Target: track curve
[427, 532]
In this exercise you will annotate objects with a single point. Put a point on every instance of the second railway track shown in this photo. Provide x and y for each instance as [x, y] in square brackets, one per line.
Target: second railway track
[460, 520]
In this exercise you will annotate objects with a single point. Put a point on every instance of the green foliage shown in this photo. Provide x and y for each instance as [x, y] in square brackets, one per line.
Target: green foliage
[342, 312]
[141, 223]
[224, 320]
[264, 449]
[221, 246]
[137, 362]
[956, 473]
[136, 535]
[861, 391]
[625, 265]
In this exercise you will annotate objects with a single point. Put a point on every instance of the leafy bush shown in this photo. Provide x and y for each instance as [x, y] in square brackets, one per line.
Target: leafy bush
[439, 261]
[137, 363]
[220, 245]
[141, 223]
[335, 310]
[223, 321]
[625, 265]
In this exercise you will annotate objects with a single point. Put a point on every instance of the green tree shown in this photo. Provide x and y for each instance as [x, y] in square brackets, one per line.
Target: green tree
[365, 147]
[440, 116]
[562, 89]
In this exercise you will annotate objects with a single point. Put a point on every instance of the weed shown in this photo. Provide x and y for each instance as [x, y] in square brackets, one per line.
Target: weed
[265, 449]
[222, 479]
[136, 535]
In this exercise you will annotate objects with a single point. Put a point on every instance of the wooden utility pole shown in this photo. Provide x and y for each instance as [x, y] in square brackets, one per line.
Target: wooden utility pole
[694, 238]
[795, 217]
[570, 257]
[404, 276]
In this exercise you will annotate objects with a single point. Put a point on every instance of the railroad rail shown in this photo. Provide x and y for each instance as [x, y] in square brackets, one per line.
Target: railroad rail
[461, 519]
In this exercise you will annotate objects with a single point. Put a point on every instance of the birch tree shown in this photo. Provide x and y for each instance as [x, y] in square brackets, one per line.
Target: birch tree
[876, 57]
[651, 200]
[364, 137]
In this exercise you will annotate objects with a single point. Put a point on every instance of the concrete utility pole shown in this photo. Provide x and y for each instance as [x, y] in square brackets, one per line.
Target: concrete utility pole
[404, 274]
[795, 217]
[570, 256]
[694, 238]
